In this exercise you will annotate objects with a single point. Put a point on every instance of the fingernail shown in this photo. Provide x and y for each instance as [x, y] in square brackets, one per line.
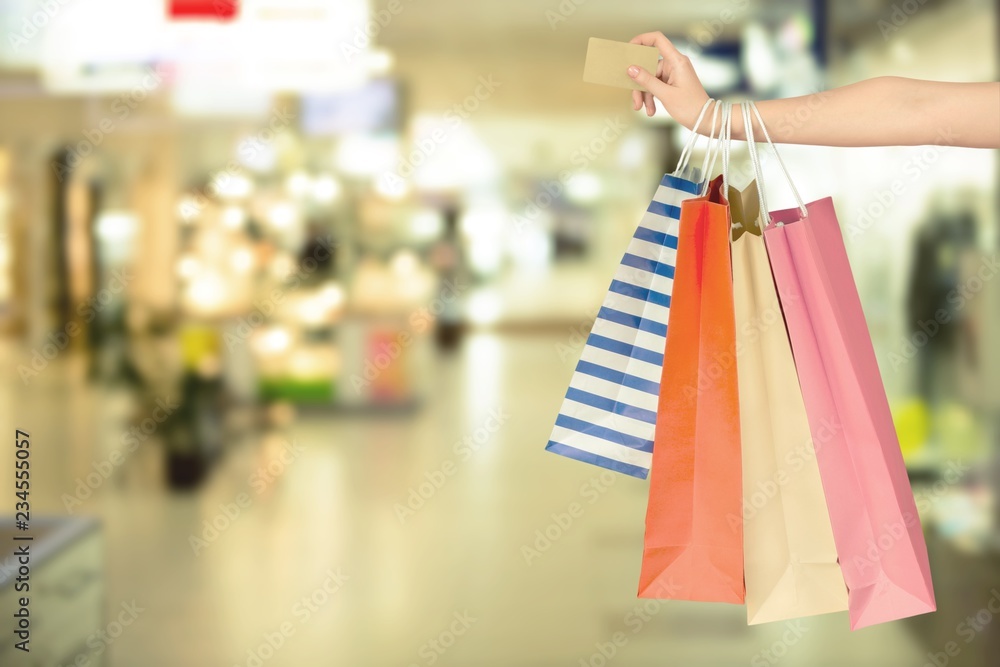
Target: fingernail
[633, 71]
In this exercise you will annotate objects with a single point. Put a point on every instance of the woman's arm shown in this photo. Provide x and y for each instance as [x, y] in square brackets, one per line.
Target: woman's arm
[885, 111]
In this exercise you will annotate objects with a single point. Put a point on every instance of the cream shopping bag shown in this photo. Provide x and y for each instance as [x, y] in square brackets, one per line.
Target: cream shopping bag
[790, 559]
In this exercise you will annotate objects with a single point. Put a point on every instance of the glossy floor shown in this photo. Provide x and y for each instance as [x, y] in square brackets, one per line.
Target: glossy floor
[410, 540]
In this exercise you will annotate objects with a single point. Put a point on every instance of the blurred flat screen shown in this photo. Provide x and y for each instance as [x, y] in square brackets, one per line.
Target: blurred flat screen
[372, 107]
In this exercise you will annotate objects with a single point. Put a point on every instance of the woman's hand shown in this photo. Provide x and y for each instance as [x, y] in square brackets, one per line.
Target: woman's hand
[675, 84]
[884, 111]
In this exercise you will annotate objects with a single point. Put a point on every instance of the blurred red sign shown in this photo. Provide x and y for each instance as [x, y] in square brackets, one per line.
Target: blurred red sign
[223, 10]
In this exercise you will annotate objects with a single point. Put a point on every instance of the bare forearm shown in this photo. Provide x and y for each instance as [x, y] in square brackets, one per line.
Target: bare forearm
[886, 111]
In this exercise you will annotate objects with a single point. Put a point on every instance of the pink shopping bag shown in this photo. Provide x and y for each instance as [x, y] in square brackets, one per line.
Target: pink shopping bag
[876, 528]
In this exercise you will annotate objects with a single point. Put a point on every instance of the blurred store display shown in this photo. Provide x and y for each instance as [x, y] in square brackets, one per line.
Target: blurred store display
[362, 228]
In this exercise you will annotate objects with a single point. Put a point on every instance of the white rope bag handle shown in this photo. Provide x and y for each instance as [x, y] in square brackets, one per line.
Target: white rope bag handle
[755, 162]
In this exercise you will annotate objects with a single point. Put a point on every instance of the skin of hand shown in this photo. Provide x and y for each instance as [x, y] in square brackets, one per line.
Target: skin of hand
[884, 111]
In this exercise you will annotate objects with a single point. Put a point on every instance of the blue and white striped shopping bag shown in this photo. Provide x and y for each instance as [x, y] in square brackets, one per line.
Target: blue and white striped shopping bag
[609, 414]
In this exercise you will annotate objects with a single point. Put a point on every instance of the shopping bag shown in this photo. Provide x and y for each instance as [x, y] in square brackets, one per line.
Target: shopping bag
[690, 551]
[790, 559]
[874, 517]
[608, 416]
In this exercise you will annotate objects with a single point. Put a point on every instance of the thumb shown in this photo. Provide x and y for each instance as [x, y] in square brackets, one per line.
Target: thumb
[647, 80]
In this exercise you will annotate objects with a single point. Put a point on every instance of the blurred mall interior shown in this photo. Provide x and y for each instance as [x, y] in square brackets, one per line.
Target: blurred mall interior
[291, 291]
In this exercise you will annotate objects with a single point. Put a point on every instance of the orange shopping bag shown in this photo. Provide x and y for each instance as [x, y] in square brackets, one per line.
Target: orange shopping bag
[691, 552]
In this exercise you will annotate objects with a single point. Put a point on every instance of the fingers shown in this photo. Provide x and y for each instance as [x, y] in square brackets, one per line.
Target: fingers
[659, 40]
[649, 100]
[652, 85]
[674, 83]
[636, 100]
[671, 61]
